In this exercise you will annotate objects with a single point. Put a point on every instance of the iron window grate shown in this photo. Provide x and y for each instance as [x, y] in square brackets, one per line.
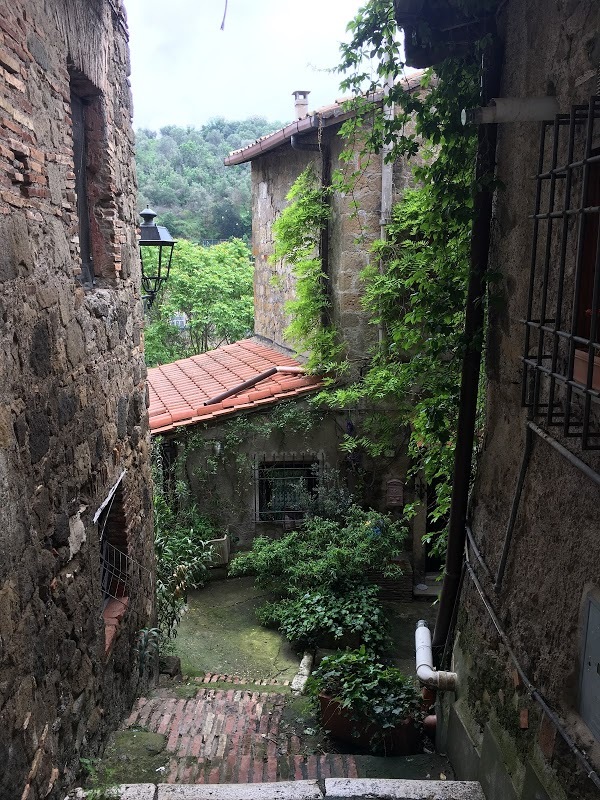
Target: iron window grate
[561, 361]
[284, 488]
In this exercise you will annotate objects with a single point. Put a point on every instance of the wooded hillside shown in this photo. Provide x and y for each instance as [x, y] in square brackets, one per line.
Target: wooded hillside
[182, 177]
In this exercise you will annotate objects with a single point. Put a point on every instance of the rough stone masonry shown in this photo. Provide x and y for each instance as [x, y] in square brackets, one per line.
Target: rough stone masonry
[73, 420]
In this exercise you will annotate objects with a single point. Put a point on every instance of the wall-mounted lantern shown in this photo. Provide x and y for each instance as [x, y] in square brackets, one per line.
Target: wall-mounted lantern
[156, 267]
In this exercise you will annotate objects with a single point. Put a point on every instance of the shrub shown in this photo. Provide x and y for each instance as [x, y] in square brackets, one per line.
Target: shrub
[307, 619]
[324, 555]
[182, 558]
[366, 687]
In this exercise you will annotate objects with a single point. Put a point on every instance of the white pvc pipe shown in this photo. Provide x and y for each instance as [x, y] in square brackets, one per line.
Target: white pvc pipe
[445, 681]
[513, 109]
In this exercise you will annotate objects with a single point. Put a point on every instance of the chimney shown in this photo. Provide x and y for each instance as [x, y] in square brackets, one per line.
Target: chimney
[301, 103]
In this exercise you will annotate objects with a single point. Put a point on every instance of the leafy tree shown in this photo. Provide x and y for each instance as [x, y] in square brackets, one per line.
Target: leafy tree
[212, 287]
[182, 176]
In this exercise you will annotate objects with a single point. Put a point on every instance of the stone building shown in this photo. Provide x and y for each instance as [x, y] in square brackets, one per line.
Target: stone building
[276, 161]
[525, 719]
[234, 424]
[76, 578]
[357, 220]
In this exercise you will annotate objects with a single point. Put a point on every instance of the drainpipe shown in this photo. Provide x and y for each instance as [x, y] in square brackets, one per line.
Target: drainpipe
[474, 325]
[434, 679]
[262, 376]
[387, 175]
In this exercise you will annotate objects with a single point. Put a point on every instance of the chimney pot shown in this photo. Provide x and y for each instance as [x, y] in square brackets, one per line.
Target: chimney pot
[301, 103]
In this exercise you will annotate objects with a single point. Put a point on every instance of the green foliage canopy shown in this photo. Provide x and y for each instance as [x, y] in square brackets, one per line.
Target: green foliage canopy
[181, 175]
[212, 286]
[416, 289]
[296, 234]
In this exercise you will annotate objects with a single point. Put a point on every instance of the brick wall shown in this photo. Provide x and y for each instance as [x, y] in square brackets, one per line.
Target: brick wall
[72, 398]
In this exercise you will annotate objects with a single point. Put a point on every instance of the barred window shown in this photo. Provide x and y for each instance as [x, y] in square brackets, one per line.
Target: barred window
[113, 550]
[284, 489]
[561, 376]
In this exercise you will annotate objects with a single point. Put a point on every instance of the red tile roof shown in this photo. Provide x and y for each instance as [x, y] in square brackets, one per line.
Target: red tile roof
[332, 114]
[185, 391]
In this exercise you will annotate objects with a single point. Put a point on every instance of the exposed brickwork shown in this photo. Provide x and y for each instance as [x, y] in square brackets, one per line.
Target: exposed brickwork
[233, 736]
[73, 397]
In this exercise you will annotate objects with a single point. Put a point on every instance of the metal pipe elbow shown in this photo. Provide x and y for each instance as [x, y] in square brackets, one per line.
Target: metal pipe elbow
[435, 679]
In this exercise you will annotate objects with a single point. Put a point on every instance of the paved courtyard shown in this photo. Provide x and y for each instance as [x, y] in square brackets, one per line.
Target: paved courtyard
[244, 726]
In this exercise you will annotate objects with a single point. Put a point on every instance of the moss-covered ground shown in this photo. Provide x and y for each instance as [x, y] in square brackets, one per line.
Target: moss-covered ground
[220, 634]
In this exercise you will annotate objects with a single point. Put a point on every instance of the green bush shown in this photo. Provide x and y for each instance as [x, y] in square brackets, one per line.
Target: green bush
[182, 557]
[309, 618]
[366, 687]
[324, 555]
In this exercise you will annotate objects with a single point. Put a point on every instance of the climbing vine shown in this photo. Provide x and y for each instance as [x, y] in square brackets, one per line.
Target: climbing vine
[415, 288]
[297, 233]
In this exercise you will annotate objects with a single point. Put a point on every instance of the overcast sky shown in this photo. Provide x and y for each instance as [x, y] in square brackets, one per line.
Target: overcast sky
[186, 70]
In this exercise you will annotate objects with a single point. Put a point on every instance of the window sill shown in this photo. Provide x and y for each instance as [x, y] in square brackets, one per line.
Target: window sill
[113, 613]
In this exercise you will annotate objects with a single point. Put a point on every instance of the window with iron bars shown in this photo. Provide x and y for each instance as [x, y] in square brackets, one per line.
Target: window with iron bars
[114, 560]
[561, 361]
[284, 488]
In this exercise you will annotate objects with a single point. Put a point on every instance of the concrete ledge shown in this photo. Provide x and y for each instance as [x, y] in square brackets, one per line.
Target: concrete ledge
[350, 788]
[131, 791]
[303, 673]
[334, 789]
[138, 791]
[282, 790]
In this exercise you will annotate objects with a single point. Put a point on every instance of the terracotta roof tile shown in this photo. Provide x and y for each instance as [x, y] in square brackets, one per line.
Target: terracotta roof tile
[178, 391]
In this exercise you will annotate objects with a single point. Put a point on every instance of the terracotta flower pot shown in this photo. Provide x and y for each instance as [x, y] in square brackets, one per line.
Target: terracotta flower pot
[403, 740]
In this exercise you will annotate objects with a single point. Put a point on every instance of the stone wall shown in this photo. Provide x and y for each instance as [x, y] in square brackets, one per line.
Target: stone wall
[350, 236]
[73, 398]
[495, 731]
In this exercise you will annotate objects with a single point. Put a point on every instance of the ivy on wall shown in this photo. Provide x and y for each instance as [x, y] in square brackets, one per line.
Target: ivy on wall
[297, 233]
[415, 290]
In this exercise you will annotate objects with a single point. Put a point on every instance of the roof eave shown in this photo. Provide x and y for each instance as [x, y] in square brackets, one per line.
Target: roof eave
[282, 136]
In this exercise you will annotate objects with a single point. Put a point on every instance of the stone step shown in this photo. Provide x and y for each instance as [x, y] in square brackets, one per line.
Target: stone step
[329, 789]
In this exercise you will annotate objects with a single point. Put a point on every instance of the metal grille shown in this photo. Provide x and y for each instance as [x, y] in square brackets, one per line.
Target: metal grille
[116, 566]
[561, 362]
[284, 488]
[115, 569]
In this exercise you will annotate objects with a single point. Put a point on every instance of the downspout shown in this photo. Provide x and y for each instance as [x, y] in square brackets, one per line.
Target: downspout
[262, 376]
[473, 335]
[434, 679]
[387, 176]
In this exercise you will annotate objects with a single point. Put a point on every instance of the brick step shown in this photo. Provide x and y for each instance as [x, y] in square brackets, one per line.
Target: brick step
[243, 768]
[237, 679]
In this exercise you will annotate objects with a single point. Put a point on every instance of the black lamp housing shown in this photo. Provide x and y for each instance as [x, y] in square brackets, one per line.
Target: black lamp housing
[154, 272]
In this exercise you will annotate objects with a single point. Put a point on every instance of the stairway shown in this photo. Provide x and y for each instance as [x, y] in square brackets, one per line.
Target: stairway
[224, 737]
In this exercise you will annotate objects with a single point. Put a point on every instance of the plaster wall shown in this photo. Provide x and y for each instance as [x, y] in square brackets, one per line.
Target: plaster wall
[224, 482]
[550, 48]
[73, 397]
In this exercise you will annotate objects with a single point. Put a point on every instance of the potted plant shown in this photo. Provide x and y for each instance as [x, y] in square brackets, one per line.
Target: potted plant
[368, 703]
